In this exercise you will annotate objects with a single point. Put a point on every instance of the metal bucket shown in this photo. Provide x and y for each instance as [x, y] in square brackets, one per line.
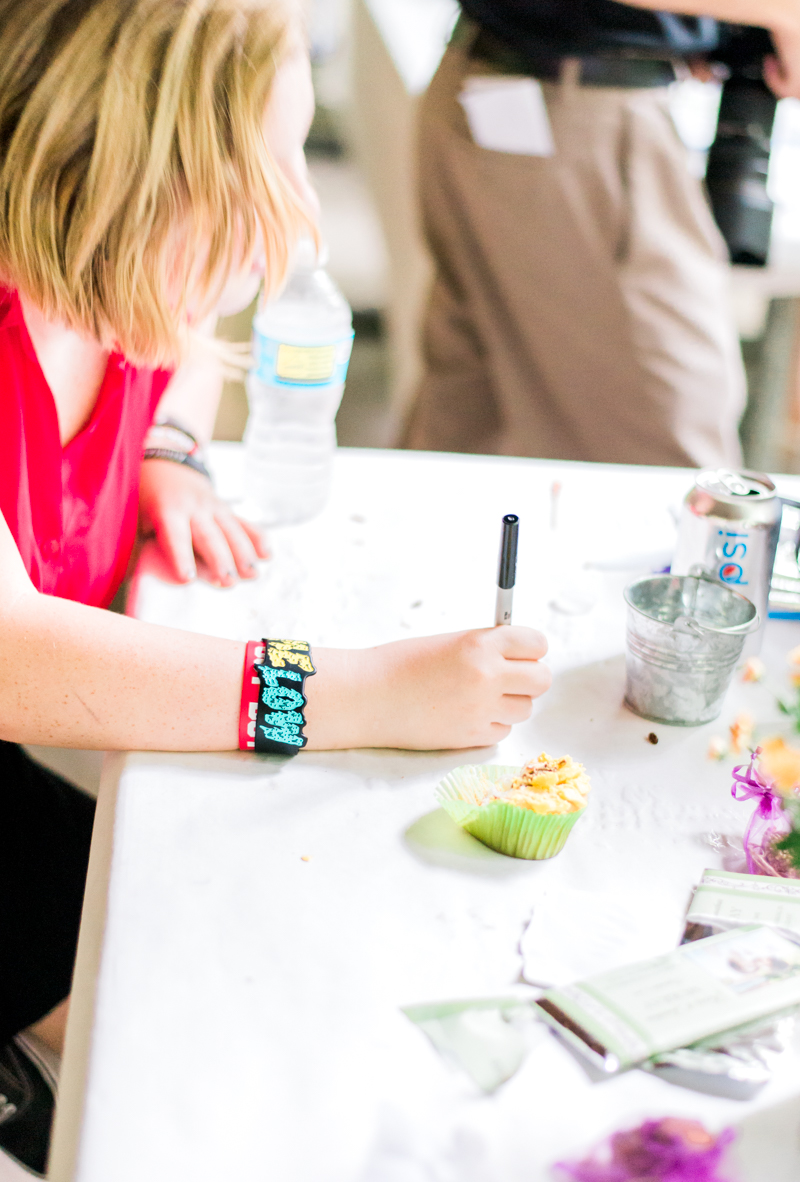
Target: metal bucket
[685, 635]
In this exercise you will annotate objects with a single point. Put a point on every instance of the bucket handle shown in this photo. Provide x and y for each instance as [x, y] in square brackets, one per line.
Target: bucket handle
[688, 624]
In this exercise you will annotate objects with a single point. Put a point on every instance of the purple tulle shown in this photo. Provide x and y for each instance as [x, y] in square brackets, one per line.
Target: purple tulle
[768, 824]
[671, 1150]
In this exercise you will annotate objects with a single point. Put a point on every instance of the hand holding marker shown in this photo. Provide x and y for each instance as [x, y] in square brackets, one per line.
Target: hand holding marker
[507, 574]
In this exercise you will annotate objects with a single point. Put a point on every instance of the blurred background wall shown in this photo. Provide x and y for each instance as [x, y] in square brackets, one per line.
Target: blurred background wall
[372, 59]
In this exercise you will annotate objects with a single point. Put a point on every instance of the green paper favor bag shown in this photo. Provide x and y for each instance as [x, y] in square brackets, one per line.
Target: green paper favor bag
[506, 828]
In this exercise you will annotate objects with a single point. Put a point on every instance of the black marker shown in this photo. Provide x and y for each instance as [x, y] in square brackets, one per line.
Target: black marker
[507, 574]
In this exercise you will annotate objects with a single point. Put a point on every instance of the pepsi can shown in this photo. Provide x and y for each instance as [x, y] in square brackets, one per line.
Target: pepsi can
[729, 528]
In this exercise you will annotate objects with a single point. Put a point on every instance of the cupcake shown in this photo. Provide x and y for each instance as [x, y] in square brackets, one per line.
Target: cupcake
[522, 812]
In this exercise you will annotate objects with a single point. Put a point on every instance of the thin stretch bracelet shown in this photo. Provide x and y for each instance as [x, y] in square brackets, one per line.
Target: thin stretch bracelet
[271, 717]
[168, 440]
[177, 457]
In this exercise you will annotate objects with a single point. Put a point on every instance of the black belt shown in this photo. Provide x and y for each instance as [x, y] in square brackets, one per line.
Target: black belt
[629, 73]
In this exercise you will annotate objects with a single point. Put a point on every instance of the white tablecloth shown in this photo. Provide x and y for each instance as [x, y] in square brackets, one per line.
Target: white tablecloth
[258, 923]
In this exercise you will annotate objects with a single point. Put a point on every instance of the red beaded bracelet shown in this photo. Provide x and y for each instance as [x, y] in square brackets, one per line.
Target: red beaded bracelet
[251, 687]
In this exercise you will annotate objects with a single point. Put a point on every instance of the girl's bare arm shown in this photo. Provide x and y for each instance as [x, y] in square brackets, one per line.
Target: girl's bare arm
[77, 676]
[178, 506]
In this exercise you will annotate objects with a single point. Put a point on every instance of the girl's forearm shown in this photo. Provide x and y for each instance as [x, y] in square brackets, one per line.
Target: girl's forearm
[192, 396]
[75, 676]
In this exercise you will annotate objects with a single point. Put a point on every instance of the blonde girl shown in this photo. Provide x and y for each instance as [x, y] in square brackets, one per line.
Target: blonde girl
[151, 163]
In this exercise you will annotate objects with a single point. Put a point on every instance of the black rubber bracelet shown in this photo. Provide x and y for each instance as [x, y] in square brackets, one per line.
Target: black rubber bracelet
[177, 457]
[279, 717]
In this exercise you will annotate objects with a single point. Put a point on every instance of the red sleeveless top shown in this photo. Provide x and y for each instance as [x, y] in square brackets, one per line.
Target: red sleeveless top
[72, 510]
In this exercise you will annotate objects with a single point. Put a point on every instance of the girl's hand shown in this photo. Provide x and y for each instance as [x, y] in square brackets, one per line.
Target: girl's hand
[179, 506]
[463, 689]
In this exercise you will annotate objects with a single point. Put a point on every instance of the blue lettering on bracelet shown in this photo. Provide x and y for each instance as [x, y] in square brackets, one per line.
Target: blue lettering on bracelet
[292, 718]
[270, 676]
[280, 697]
[288, 735]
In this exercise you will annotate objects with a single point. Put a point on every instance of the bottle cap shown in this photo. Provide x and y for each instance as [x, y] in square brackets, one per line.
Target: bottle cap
[306, 256]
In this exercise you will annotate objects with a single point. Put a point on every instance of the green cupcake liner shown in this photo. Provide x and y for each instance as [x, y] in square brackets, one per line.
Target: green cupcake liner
[504, 827]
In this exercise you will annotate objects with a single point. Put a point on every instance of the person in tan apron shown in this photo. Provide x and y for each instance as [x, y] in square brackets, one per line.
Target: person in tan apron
[580, 308]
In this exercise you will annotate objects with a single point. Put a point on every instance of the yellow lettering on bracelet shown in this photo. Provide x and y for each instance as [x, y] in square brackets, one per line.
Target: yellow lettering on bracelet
[293, 651]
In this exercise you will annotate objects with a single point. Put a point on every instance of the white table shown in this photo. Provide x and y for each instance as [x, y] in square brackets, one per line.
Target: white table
[237, 1008]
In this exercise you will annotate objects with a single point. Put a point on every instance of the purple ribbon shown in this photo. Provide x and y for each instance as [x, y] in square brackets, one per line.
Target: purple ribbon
[658, 1151]
[750, 784]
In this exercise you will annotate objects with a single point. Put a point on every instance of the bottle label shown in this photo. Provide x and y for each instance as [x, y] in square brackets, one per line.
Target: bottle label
[298, 363]
[280, 364]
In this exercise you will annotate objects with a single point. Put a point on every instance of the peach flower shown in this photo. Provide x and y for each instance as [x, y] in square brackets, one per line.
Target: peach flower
[780, 764]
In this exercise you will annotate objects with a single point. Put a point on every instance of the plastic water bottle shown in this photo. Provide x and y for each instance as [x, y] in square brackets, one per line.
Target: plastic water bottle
[301, 349]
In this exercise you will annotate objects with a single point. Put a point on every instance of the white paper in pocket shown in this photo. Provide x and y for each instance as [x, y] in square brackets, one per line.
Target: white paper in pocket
[508, 115]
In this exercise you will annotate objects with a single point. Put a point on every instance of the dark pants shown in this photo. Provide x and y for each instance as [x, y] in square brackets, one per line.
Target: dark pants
[45, 834]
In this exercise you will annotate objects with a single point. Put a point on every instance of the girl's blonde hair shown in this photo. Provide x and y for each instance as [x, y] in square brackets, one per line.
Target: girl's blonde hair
[133, 164]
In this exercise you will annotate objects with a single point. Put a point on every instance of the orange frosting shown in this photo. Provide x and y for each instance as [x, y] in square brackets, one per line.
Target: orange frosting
[547, 785]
